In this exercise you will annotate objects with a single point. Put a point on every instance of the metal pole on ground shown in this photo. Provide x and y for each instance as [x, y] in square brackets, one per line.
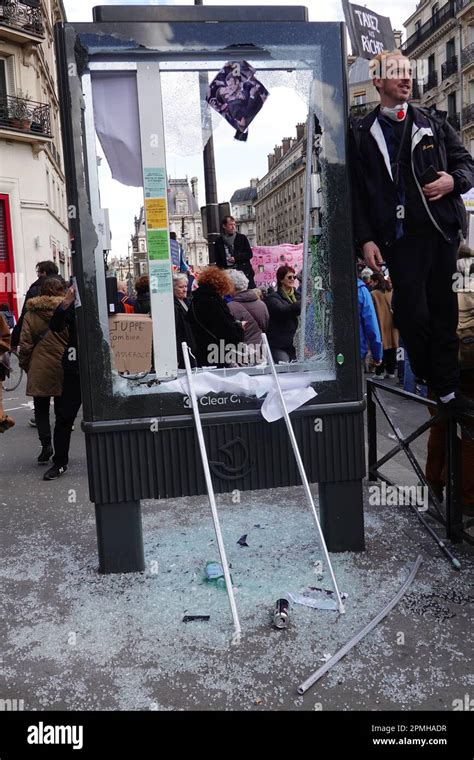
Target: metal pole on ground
[210, 490]
[355, 640]
[301, 469]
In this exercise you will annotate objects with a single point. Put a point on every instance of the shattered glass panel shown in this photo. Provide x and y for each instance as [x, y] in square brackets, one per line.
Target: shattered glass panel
[280, 180]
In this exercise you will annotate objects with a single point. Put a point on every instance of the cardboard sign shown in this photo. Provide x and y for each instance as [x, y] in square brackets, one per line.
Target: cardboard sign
[130, 341]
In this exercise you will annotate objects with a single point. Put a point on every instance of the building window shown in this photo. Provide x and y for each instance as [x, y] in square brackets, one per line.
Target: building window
[450, 51]
[452, 104]
[360, 98]
[418, 25]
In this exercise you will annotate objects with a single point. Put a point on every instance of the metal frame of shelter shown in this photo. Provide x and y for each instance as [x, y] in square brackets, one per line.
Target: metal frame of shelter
[451, 516]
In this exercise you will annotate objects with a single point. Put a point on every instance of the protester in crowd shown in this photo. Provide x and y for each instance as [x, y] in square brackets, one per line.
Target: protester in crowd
[141, 304]
[69, 403]
[369, 331]
[409, 169]
[284, 307]
[40, 356]
[8, 315]
[366, 277]
[232, 250]
[382, 297]
[6, 422]
[43, 269]
[124, 302]
[177, 255]
[436, 459]
[181, 317]
[216, 332]
[247, 307]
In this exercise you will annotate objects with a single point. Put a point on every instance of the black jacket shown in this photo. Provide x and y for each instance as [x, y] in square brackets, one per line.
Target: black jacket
[374, 195]
[183, 333]
[211, 323]
[33, 292]
[283, 319]
[242, 255]
[61, 319]
[142, 303]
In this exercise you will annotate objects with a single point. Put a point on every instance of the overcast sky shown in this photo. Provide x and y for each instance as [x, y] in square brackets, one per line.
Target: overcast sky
[247, 159]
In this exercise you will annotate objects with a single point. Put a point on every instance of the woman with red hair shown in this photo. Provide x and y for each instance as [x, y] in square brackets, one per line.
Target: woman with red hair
[216, 332]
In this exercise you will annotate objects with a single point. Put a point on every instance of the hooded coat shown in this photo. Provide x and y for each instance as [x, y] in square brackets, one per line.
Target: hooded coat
[41, 350]
[247, 306]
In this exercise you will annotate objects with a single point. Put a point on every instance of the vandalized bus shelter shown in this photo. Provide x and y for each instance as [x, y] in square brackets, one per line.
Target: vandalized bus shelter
[133, 88]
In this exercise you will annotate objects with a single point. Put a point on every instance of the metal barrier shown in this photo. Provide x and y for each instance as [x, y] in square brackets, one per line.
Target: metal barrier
[451, 517]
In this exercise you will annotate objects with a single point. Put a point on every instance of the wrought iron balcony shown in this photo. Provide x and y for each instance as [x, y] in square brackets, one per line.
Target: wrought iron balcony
[436, 21]
[27, 116]
[26, 18]
[449, 67]
[431, 82]
[468, 115]
[361, 109]
[455, 121]
[467, 55]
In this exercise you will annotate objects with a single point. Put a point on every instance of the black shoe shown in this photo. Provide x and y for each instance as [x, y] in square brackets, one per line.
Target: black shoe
[32, 422]
[458, 406]
[46, 454]
[54, 472]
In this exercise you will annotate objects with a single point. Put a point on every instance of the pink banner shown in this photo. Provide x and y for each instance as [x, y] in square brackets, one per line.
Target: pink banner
[267, 259]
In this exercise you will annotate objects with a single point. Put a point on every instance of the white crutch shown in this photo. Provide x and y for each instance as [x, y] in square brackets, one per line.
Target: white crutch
[210, 491]
[299, 462]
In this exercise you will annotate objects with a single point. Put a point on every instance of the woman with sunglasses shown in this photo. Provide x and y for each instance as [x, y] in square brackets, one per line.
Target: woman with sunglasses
[284, 307]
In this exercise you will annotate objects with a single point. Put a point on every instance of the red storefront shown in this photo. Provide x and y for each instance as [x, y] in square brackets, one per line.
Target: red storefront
[7, 265]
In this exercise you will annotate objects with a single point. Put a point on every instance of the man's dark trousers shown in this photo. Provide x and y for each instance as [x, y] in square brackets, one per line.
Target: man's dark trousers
[66, 412]
[425, 305]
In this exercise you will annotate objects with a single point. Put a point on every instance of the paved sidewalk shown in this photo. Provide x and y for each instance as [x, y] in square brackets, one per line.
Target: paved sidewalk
[74, 639]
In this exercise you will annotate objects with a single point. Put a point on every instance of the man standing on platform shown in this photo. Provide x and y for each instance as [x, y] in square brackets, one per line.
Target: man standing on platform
[409, 169]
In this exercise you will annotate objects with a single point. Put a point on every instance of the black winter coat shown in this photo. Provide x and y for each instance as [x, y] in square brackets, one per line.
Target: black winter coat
[142, 303]
[61, 319]
[242, 255]
[183, 333]
[212, 325]
[283, 319]
[374, 196]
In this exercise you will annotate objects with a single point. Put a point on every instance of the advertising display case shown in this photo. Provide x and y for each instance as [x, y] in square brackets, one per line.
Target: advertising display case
[135, 92]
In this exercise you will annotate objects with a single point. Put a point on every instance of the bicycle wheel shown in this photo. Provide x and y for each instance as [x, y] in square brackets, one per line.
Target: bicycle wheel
[16, 373]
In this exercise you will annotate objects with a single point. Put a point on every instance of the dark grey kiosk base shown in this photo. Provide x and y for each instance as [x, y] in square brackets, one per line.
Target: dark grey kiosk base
[127, 462]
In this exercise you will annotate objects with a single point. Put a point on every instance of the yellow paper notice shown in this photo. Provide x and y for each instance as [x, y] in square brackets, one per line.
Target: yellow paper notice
[155, 209]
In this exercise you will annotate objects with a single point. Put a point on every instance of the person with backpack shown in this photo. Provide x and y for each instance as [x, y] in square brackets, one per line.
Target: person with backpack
[40, 355]
[436, 458]
[409, 169]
